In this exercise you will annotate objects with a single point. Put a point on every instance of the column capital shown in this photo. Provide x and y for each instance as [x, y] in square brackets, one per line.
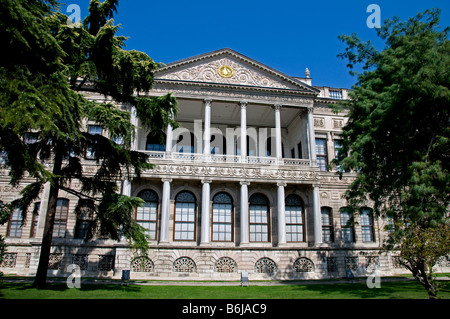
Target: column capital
[244, 183]
[207, 101]
[243, 104]
[310, 109]
[277, 107]
[206, 181]
[166, 180]
[281, 184]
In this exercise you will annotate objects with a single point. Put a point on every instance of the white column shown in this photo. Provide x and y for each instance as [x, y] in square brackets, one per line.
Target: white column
[205, 228]
[278, 143]
[243, 131]
[317, 216]
[312, 138]
[244, 213]
[207, 131]
[165, 204]
[126, 188]
[169, 138]
[281, 214]
[134, 120]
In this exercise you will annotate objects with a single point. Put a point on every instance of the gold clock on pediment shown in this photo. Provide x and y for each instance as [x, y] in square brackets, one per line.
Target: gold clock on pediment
[225, 71]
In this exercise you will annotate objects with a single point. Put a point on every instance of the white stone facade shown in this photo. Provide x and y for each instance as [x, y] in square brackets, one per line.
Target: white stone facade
[276, 234]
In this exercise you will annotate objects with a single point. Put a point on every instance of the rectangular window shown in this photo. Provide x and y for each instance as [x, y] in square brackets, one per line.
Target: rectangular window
[94, 130]
[259, 223]
[35, 218]
[321, 153]
[367, 225]
[84, 219]
[299, 149]
[335, 94]
[30, 137]
[294, 223]
[346, 227]
[15, 224]
[222, 222]
[146, 217]
[62, 210]
[327, 225]
[184, 221]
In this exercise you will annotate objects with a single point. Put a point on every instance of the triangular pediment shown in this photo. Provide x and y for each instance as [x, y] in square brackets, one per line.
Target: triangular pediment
[206, 68]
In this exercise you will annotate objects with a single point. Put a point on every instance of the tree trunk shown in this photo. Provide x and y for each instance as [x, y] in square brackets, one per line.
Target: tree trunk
[41, 274]
[426, 280]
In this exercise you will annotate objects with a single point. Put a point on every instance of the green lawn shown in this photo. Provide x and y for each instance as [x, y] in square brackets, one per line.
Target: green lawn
[388, 290]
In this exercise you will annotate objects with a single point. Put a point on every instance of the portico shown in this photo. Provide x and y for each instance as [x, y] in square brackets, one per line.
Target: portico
[236, 133]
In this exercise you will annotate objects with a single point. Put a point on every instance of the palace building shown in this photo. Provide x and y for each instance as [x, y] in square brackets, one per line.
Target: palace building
[243, 185]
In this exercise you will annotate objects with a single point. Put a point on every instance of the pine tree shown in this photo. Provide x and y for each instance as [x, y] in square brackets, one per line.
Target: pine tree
[397, 137]
[44, 88]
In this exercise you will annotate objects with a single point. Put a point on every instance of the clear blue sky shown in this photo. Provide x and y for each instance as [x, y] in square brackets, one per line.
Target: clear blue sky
[287, 35]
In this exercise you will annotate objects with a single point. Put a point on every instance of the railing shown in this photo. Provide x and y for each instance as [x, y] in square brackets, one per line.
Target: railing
[219, 158]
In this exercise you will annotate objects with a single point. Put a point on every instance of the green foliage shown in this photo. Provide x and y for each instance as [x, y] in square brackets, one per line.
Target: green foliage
[43, 84]
[397, 137]
[420, 251]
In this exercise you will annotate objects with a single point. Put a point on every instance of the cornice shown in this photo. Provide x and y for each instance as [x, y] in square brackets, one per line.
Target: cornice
[311, 90]
[234, 87]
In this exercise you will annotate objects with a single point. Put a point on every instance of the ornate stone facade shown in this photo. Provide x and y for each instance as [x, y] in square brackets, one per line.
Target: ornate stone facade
[217, 204]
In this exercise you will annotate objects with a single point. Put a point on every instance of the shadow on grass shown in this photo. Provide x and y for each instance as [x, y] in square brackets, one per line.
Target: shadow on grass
[388, 290]
[60, 290]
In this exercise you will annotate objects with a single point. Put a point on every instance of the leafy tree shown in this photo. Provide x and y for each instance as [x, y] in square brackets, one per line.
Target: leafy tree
[52, 68]
[5, 212]
[397, 137]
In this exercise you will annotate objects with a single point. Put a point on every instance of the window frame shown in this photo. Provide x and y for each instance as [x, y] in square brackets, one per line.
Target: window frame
[367, 229]
[156, 213]
[267, 223]
[83, 224]
[350, 228]
[15, 219]
[90, 154]
[302, 218]
[322, 157]
[35, 219]
[329, 226]
[58, 210]
[231, 223]
[181, 222]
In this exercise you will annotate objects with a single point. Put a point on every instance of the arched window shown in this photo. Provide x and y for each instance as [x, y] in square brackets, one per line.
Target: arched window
[265, 266]
[154, 143]
[259, 218]
[222, 217]
[184, 264]
[147, 215]
[294, 218]
[185, 216]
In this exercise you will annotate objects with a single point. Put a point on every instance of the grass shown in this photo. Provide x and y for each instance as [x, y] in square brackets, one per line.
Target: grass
[388, 290]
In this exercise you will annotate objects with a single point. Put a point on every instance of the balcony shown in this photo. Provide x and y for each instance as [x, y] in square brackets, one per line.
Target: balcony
[225, 159]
